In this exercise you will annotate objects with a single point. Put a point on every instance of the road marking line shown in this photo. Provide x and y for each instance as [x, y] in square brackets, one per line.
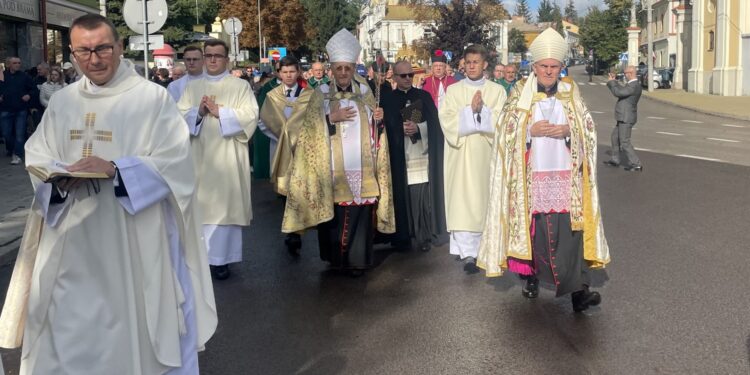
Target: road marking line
[597, 112]
[592, 84]
[603, 83]
[581, 83]
[668, 133]
[692, 121]
[656, 118]
[732, 126]
[698, 157]
[644, 149]
[723, 140]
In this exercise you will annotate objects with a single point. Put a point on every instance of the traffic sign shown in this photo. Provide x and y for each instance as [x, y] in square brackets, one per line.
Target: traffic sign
[233, 26]
[154, 42]
[276, 55]
[132, 12]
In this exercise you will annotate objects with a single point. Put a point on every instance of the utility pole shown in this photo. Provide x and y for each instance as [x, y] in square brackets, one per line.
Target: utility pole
[650, 39]
[260, 39]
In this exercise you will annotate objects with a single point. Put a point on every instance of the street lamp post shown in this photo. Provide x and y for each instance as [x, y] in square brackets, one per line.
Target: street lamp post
[260, 38]
[650, 39]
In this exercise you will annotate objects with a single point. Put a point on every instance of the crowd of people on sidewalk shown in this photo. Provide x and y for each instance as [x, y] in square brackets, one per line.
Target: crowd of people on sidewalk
[153, 187]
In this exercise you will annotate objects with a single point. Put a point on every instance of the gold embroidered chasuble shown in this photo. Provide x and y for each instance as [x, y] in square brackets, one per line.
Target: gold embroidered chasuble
[509, 214]
[285, 129]
[318, 181]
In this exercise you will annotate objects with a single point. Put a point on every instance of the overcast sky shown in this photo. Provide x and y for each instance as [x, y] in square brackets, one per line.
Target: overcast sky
[582, 6]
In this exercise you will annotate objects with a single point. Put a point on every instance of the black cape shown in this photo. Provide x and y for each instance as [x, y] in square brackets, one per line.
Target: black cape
[393, 103]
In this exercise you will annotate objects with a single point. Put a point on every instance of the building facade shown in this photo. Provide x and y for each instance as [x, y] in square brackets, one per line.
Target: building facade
[21, 31]
[664, 30]
[719, 46]
[391, 26]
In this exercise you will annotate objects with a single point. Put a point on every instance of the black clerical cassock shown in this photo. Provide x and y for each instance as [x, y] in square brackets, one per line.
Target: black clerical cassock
[417, 209]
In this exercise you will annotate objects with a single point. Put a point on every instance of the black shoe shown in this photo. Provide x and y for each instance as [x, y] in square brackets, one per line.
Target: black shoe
[470, 267]
[531, 290]
[293, 243]
[634, 168]
[220, 272]
[583, 299]
[425, 247]
[612, 163]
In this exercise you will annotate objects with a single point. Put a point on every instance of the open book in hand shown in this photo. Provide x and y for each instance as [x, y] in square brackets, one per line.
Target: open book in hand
[56, 170]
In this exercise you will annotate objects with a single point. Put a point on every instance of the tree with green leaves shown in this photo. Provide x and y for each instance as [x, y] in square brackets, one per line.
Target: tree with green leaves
[327, 17]
[571, 15]
[545, 11]
[180, 19]
[460, 23]
[604, 32]
[522, 9]
[516, 41]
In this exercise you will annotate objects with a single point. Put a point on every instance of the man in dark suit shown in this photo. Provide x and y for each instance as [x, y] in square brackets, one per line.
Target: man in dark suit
[626, 114]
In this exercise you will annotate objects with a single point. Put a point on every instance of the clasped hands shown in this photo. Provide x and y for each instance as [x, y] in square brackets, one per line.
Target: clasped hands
[410, 128]
[208, 106]
[477, 103]
[545, 129]
[349, 113]
[92, 164]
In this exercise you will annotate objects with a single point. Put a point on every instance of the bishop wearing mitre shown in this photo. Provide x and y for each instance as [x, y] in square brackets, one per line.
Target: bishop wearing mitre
[340, 179]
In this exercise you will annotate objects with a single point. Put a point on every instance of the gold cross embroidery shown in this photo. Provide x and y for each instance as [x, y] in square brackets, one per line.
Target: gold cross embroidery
[89, 135]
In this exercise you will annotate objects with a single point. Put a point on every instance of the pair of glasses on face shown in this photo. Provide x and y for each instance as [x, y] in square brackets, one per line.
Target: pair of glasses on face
[84, 54]
[406, 75]
[213, 56]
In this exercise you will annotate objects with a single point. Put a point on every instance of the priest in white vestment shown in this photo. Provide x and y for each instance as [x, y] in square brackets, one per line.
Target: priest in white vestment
[468, 116]
[193, 57]
[222, 114]
[111, 276]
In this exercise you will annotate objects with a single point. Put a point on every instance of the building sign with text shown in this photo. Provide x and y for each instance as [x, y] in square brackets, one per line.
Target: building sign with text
[61, 16]
[26, 9]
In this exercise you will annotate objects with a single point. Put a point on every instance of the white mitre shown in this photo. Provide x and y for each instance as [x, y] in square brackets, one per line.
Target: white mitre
[549, 45]
[343, 47]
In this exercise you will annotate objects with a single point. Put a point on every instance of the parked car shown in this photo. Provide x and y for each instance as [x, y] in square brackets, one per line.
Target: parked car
[661, 78]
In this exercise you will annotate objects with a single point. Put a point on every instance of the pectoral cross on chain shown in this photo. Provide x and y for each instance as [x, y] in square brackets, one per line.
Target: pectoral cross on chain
[89, 135]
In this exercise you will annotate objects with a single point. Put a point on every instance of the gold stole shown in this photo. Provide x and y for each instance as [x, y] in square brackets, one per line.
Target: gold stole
[341, 190]
[285, 130]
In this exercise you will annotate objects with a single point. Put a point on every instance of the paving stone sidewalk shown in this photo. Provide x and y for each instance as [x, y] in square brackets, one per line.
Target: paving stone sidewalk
[15, 199]
[736, 107]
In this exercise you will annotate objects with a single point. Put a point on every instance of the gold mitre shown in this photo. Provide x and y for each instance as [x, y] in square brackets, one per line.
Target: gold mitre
[343, 47]
[549, 45]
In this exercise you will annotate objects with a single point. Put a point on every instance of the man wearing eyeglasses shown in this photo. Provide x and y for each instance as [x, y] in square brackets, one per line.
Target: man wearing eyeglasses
[222, 114]
[468, 116]
[437, 83]
[120, 278]
[193, 57]
[340, 178]
[416, 150]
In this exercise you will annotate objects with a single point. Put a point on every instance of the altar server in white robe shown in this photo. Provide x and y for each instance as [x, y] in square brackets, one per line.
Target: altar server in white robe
[468, 116]
[222, 114]
[111, 276]
[193, 57]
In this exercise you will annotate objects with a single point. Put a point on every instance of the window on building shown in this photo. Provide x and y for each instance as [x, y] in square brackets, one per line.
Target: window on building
[711, 40]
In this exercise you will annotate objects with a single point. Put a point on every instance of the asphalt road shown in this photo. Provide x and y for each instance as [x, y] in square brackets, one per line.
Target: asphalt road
[676, 302]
